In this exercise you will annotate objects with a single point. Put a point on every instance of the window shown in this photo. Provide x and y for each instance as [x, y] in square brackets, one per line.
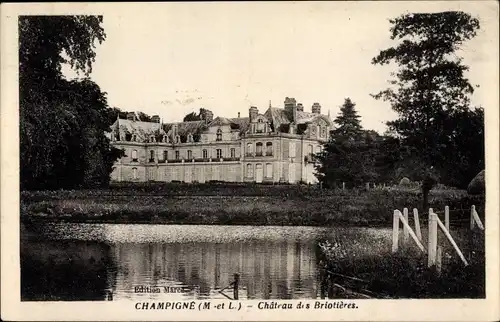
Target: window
[165, 155]
[249, 171]
[219, 153]
[219, 135]
[269, 170]
[177, 155]
[249, 148]
[134, 155]
[258, 149]
[190, 154]
[134, 173]
[311, 149]
[233, 153]
[292, 150]
[323, 132]
[205, 154]
[151, 156]
[269, 148]
[318, 149]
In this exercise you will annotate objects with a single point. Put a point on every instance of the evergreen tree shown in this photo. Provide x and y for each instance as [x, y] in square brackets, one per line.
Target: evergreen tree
[348, 121]
[349, 155]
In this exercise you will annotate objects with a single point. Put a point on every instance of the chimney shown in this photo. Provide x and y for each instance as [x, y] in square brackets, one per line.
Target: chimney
[291, 107]
[155, 119]
[300, 107]
[316, 108]
[252, 112]
[131, 116]
[238, 114]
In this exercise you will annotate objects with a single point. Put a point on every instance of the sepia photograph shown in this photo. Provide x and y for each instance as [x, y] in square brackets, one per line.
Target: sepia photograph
[186, 152]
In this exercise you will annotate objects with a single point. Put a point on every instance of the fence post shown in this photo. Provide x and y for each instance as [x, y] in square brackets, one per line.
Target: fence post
[432, 244]
[367, 186]
[472, 209]
[417, 224]
[406, 233]
[447, 217]
[343, 185]
[236, 285]
[395, 231]
[439, 258]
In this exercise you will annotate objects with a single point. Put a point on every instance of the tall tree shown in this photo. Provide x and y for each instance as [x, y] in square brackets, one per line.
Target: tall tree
[348, 121]
[429, 87]
[62, 123]
[349, 154]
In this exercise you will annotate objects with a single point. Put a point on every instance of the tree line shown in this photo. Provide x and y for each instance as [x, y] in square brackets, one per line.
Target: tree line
[438, 136]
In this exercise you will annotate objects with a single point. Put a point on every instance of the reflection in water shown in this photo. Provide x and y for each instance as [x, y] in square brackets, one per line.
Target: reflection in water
[106, 261]
[267, 270]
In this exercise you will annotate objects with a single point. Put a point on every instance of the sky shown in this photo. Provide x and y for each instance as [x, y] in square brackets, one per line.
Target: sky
[171, 59]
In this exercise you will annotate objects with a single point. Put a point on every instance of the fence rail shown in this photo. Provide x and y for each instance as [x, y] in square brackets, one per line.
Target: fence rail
[433, 250]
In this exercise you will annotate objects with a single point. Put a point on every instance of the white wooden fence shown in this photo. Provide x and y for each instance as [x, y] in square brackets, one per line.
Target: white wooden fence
[434, 251]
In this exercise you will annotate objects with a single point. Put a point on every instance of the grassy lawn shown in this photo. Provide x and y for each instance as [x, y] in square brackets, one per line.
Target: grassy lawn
[242, 204]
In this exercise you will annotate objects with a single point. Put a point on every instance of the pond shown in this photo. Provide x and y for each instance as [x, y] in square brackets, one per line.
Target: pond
[67, 261]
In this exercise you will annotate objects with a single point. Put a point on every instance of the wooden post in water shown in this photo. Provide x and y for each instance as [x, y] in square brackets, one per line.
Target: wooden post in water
[417, 224]
[236, 285]
[395, 231]
[406, 233]
[447, 217]
[432, 244]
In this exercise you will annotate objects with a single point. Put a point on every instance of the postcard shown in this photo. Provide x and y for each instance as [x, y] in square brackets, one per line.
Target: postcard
[250, 161]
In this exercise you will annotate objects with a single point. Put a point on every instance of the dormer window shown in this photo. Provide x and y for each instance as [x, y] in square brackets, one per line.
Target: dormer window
[323, 132]
[219, 135]
[177, 139]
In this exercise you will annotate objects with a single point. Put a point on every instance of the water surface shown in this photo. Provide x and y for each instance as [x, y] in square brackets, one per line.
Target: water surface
[109, 261]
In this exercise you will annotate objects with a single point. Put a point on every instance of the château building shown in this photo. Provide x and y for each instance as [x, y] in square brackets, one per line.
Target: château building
[275, 146]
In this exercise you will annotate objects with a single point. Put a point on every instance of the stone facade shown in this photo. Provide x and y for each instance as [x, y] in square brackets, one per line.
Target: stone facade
[272, 147]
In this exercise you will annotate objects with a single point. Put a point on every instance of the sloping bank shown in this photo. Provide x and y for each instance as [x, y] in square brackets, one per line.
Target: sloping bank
[309, 206]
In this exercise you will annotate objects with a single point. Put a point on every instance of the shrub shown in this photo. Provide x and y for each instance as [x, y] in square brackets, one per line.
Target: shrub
[404, 182]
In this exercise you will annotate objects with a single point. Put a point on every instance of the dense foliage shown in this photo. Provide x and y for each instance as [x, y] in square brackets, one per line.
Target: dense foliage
[62, 122]
[438, 136]
[431, 95]
[192, 117]
[353, 155]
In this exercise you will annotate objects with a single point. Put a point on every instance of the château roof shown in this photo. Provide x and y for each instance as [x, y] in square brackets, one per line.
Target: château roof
[240, 123]
[279, 118]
